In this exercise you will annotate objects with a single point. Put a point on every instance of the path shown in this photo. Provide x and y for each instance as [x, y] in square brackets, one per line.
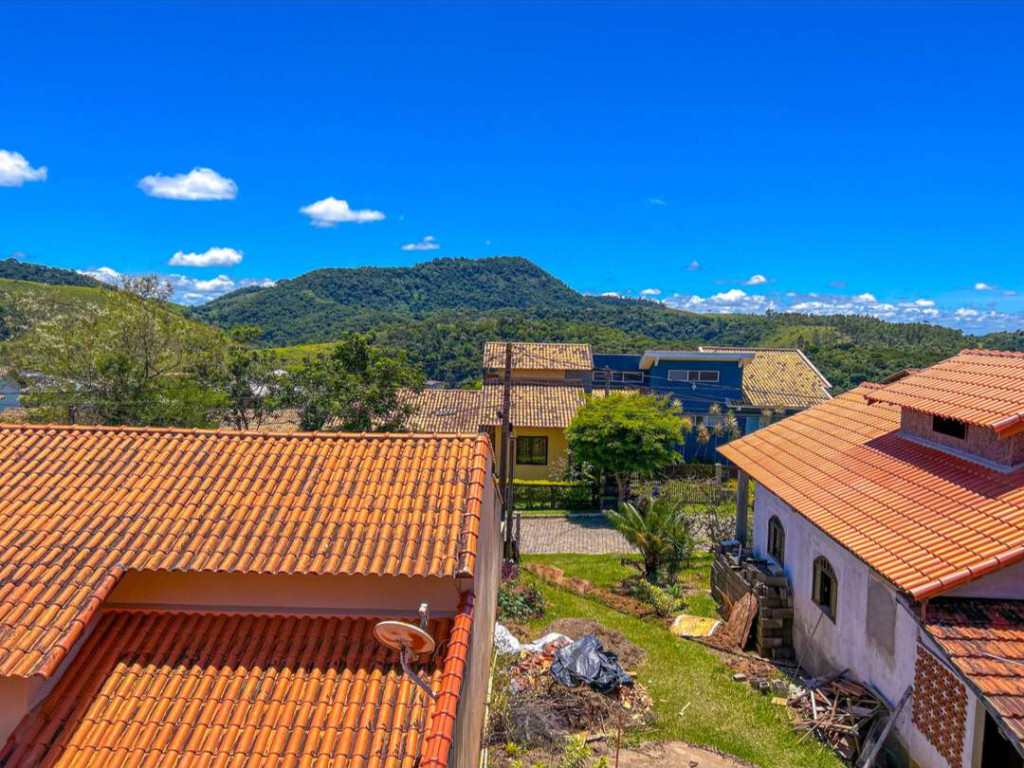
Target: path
[585, 534]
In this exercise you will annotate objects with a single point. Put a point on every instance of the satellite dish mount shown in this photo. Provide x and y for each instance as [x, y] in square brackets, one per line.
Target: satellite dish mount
[409, 640]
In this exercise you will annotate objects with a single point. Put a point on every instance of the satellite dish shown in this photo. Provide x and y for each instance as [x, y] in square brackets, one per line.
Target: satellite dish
[399, 635]
[409, 640]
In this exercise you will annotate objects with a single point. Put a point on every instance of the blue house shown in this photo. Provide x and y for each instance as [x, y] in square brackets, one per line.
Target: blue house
[715, 385]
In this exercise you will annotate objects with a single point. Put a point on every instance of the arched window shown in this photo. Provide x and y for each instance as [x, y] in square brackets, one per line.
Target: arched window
[776, 540]
[826, 587]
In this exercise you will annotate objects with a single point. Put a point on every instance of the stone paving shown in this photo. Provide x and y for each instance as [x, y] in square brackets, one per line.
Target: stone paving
[586, 534]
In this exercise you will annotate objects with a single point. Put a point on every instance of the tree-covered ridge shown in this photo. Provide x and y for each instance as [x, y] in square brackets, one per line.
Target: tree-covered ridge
[12, 269]
[441, 312]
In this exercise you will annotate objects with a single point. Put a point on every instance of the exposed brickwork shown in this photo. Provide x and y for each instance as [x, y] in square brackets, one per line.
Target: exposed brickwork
[731, 579]
[940, 706]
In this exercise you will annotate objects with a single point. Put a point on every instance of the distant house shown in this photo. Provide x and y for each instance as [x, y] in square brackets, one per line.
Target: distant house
[755, 385]
[186, 597]
[897, 515]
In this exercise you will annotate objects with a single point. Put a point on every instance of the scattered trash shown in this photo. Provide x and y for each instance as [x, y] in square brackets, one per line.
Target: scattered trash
[631, 656]
[686, 625]
[586, 661]
[506, 642]
[739, 677]
[840, 712]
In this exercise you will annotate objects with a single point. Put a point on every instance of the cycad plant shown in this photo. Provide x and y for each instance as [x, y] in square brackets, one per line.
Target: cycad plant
[661, 530]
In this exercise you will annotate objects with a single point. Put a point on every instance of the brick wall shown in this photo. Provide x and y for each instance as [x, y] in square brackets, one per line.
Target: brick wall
[940, 707]
[979, 442]
[732, 578]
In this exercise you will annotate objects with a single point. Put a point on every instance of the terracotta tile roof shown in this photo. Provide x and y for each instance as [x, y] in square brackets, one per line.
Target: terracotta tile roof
[977, 386]
[985, 640]
[780, 378]
[533, 405]
[201, 689]
[444, 410]
[536, 356]
[80, 505]
[922, 518]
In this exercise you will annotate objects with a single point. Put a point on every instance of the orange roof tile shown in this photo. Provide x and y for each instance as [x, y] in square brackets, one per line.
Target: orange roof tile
[985, 640]
[537, 356]
[203, 689]
[80, 505]
[537, 405]
[780, 378]
[922, 518]
[977, 386]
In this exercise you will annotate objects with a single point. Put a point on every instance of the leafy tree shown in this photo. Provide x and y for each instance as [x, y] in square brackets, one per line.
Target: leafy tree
[661, 531]
[624, 434]
[129, 360]
[354, 387]
[252, 382]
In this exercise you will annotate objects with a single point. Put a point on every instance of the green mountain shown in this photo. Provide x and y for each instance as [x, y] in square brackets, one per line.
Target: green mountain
[12, 269]
[442, 311]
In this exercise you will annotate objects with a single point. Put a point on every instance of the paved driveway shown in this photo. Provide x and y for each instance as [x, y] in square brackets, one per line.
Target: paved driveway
[588, 534]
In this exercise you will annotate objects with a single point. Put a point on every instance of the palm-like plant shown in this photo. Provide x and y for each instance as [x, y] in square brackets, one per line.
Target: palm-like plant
[660, 530]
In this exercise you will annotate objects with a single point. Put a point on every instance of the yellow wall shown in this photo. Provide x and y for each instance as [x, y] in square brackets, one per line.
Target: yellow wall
[558, 448]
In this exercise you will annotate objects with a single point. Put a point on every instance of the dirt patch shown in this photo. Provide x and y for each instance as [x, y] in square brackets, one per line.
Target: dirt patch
[621, 603]
[630, 656]
[670, 754]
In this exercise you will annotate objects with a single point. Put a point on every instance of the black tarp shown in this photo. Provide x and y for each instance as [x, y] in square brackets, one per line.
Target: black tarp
[586, 661]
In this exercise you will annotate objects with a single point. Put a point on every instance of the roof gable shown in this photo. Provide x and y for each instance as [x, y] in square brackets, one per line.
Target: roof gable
[80, 505]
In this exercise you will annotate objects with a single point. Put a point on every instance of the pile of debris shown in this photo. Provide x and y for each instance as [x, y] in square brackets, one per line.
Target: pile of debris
[557, 687]
[845, 715]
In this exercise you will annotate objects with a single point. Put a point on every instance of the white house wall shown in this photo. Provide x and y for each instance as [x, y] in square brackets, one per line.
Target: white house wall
[823, 646]
[1005, 584]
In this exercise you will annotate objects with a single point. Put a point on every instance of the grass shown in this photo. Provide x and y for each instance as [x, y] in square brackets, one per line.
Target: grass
[567, 512]
[720, 713]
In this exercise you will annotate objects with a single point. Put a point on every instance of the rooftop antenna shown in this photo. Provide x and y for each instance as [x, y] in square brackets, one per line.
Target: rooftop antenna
[409, 640]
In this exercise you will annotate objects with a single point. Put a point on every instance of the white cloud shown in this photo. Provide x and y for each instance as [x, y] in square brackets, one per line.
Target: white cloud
[428, 243]
[330, 211]
[756, 280]
[694, 266]
[924, 303]
[867, 298]
[197, 184]
[15, 170]
[651, 292]
[611, 295]
[657, 201]
[984, 287]
[103, 274]
[733, 301]
[211, 257]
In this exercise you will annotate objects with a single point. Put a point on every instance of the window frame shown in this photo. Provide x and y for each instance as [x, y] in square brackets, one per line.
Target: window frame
[532, 461]
[776, 540]
[693, 376]
[822, 572]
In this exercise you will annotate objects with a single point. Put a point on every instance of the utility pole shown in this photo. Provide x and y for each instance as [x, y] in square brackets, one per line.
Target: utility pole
[72, 413]
[607, 379]
[506, 418]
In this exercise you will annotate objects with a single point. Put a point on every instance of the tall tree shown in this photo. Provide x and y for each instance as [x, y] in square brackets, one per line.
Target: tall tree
[354, 387]
[252, 379]
[624, 434]
[129, 359]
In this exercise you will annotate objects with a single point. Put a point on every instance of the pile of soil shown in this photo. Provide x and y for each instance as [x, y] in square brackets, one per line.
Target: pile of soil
[630, 655]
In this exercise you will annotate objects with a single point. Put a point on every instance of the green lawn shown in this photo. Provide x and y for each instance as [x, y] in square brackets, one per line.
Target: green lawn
[721, 713]
[607, 571]
[536, 512]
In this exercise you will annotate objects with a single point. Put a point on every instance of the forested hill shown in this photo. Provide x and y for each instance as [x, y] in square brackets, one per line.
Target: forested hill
[442, 311]
[12, 269]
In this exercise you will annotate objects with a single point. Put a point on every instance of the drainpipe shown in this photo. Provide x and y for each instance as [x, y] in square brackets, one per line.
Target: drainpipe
[742, 503]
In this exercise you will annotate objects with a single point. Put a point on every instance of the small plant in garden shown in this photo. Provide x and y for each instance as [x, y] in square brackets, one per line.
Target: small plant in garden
[666, 602]
[519, 602]
[576, 753]
[509, 570]
[661, 531]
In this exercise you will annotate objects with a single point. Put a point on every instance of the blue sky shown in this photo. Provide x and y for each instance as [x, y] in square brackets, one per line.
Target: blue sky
[731, 157]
